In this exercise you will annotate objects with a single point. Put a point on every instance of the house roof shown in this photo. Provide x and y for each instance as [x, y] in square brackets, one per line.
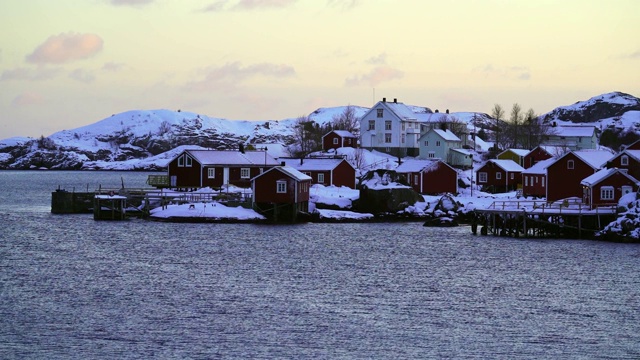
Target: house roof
[594, 158]
[554, 150]
[463, 151]
[401, 110]
[519, 152]
[342, 133]
[313, 164]
[507, 165]
[540, 167]
[574, 131]
[603, 174]
[276, 150]
[289, 171]
[415, 165]
[633, 153]
[447, 135]
[221, 157]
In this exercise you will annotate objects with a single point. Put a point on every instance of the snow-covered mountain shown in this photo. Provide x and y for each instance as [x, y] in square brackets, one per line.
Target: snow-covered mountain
[146, 139]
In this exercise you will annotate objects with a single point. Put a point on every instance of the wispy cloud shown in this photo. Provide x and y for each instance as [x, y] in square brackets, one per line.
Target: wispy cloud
[509, 72]
[633, 55]
[376, 76]
[66, 47]
[240, 5]
[113, 67]
[82, 75]
[130, 2]
[380, 59]
[37, 74]
[344, 4]
[232, 74]
[27, 99]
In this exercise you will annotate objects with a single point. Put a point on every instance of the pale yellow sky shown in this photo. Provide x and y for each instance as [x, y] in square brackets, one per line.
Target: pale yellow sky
[69, 63]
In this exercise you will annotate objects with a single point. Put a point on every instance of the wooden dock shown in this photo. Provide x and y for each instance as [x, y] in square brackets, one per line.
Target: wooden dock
[541, 219]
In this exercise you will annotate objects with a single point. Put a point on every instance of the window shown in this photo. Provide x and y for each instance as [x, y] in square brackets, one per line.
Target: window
[432, 154]
[281, 186]
[245, 173]
[372, 124]
[320, 178]
[438, 143]
[335, 141]
[181, 161]
[512, 176]
[387, 125]
[188, 161]
[211, 173]
[402, 138]
[526, 181]
[387, 138]
[380, 112]
[426, 143]
[482, 177]
[542, 180]
[498, 176]
[570, 164]
[606, 193]
[403, 126]
[624, 160]
[415, 179]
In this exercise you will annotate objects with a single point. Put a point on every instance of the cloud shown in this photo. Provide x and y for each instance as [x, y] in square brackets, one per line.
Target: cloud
[27, 99]
[82, 76]
[381, 59]
[240, 5]
[376, 76]
[38, 74]
[113, 67]
[633, 55]
[66, 47]
[130, 2]
[508, 72]
[231, 74]
[344, 4]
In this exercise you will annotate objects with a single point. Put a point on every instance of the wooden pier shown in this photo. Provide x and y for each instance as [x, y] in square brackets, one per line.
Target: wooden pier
[542, 219]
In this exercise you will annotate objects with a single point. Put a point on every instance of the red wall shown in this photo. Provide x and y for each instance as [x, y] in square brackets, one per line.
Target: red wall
[327, 141]
[563, 182]
[616, 180]
[633, 167]
[534, 156]
[505, 183]
[534, 186]
[441, 180]
[187, 177]
[344, 175]
[265, 189]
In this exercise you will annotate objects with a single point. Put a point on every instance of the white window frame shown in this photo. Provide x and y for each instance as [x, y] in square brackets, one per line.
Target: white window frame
[387, 124]
[543, 180]
[379, 113]
[416, 179]
[426, 143]
[624, 160]
[387, 138]
[181, 161]
[513, 176]
[281, 186]
[526, 181]
[372, 124]
[245, 173]
[570, 164]
[432, 154]
[482, 177]
[437, 142]
[607, 193]
[402, 138]
[320, 178]
[335, 141]
[188, 161]
[211, 173]
[498, 176]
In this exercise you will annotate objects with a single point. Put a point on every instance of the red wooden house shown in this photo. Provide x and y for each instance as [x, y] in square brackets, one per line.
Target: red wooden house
[534, 156]
[337, 139]
[499, 175]
[325, 171]
[213, 168]
[534, 179]
[565, 174]
[607, 186]
[281, 193]
[627, 159]
[430, 176]
[633, 146]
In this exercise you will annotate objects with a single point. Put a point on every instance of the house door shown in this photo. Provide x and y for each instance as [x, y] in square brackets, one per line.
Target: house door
[225, 176]
[174, 180]
[585, 195]
[626, 189]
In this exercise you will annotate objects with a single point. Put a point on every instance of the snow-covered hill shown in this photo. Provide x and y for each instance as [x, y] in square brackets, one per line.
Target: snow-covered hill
[612, 105]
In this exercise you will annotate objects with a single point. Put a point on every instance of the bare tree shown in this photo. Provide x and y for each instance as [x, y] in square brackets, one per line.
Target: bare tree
[514, 127]
[499, 135]
[347, 120]
[307, 136]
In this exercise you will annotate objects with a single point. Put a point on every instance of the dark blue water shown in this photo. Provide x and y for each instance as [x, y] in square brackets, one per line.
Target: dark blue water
[71, 287]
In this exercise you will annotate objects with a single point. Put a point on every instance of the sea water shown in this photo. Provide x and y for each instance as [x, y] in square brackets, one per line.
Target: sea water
[72, 287]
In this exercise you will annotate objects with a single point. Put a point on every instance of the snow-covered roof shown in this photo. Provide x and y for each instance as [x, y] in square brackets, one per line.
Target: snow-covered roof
[633, 153]
[447, 135]
[574, 131]
[600, 175]
[463, 151]
[288, 170]
[540, 167]
[594, 158]
[415, 165]
[313, 164]
[507, 165]
[519, 152]
[276, 150]
[342, 133]
[220, 157]
[401, 110]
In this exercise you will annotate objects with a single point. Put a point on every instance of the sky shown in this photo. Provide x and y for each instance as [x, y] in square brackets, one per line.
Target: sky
[69, 63]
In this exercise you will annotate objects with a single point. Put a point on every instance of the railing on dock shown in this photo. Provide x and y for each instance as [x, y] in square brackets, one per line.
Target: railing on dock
[569, 206]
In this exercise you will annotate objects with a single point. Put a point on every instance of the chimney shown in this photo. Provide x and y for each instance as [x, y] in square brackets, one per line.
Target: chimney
[282, 163]
[241, 148]
[395, 101]
[447, 111]
[301, 161]
[384, 100]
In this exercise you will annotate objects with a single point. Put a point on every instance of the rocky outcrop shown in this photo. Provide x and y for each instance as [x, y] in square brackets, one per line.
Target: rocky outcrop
[626, 228]
[597, 108]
